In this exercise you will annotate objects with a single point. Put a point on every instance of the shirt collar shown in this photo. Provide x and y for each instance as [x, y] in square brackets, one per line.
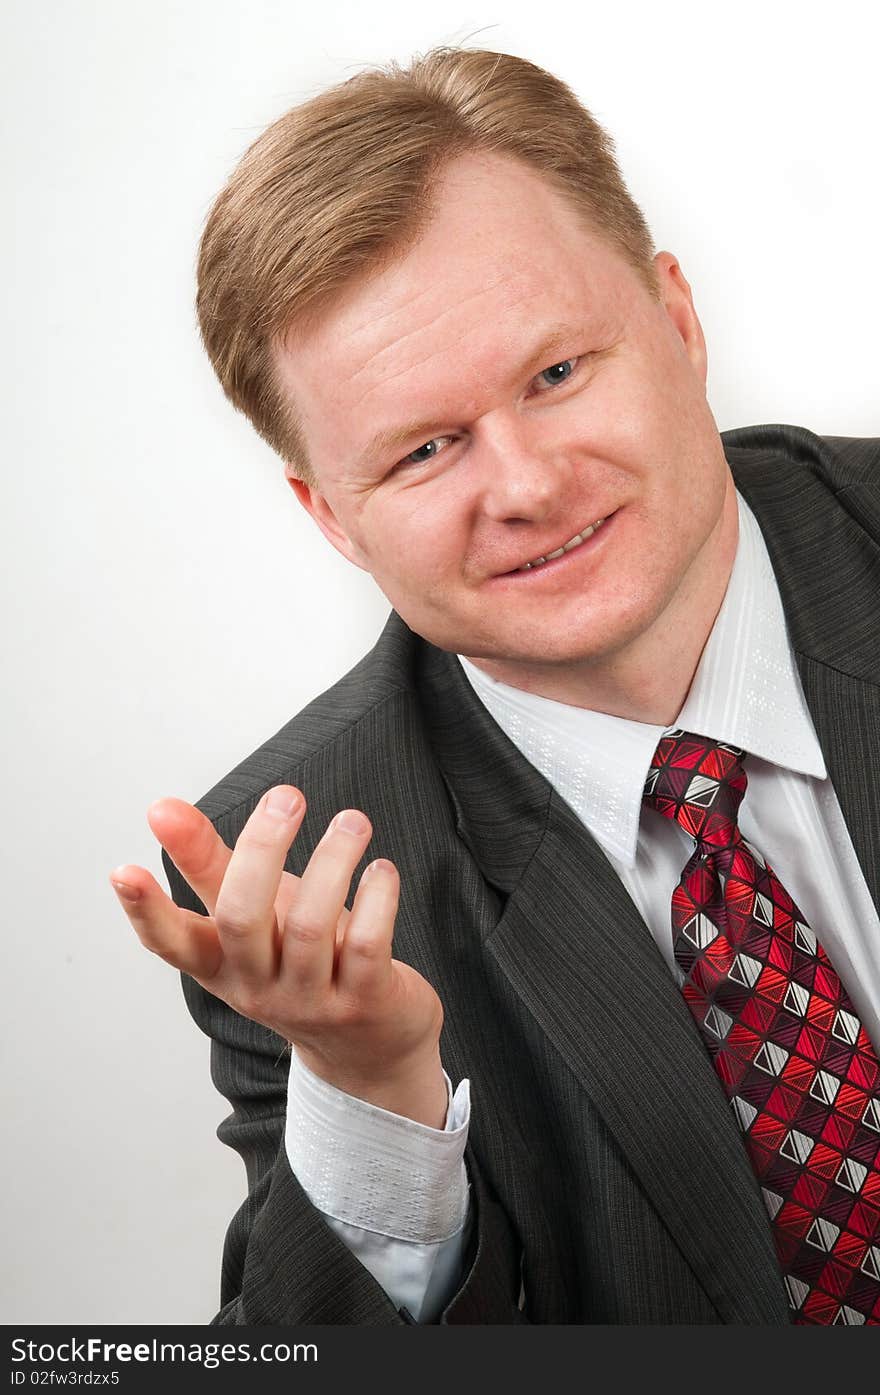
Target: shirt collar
[746, 692]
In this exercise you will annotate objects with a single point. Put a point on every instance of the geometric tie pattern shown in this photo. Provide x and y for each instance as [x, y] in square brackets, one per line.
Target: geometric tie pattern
[796, 1064]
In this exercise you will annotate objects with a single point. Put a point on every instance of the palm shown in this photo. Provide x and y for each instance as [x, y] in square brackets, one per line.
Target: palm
[286, 951]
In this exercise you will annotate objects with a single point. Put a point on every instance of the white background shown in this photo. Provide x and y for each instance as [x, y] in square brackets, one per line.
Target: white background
[134, 668]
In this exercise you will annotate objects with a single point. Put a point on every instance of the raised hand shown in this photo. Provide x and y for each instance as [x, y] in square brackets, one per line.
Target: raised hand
[285, 952]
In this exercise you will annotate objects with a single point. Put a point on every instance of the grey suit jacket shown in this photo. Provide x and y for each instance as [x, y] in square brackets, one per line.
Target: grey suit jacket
[609, 1175]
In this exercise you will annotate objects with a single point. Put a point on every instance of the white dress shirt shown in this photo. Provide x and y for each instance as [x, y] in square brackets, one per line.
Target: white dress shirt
[396, 1191]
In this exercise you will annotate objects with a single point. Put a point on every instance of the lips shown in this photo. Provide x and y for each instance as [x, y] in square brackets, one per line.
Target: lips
[566, 547]
[576, 540]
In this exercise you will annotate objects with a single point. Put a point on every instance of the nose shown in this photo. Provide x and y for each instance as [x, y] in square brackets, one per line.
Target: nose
[522, 472]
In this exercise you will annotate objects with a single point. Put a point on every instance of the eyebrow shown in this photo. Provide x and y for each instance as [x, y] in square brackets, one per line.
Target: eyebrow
[394, 438]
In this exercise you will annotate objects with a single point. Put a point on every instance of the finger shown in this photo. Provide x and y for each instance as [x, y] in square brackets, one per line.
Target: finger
[364, 965]
[309, 932]
[180, 937]
[194, 846]
[245, 908]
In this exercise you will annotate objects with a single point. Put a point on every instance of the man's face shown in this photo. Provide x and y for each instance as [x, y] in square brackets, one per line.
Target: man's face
[490, 395]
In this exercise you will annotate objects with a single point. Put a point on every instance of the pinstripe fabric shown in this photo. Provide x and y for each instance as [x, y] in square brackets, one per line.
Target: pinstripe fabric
[604, 1159]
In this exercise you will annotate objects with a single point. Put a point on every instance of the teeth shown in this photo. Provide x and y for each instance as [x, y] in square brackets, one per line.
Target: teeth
[566, 547]
[581, 537]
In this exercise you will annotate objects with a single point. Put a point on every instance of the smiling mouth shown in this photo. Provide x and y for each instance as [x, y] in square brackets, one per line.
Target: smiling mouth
[566, 547]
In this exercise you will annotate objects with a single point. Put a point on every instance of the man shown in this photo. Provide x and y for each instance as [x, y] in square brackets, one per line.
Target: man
[432, 293]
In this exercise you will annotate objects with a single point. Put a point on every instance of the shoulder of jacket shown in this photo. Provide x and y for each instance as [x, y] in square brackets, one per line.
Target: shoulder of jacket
[838, 462]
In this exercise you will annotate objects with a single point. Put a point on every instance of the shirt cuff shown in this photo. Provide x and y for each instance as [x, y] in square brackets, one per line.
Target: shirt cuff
[373, 1169]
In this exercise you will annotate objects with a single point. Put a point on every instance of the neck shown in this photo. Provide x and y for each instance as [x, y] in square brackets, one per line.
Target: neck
[648, 679]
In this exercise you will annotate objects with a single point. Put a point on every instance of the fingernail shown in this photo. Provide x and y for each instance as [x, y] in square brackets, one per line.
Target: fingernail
[282, 802]
[128, 893]
[380, 865]
[350, 821]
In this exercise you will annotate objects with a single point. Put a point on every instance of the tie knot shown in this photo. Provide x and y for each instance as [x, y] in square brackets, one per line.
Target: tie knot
[699, 783]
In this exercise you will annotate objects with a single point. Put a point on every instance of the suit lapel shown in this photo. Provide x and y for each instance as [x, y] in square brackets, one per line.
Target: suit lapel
[828, 570]
[846, 713]
[576, 950]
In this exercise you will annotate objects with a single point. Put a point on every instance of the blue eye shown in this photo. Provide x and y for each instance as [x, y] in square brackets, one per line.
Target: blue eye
[557, 372]
[426, 452]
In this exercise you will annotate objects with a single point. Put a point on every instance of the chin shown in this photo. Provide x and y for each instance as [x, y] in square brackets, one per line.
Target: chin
[525, 654]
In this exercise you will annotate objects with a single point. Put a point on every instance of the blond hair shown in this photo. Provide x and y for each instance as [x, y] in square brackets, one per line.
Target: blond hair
[343, 181]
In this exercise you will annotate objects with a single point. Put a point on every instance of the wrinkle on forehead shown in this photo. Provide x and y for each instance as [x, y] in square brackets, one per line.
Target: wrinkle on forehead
[437, 350]
[433, 322]
[374, 320]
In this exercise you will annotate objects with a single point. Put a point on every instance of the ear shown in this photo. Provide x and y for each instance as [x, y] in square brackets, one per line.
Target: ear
[675, 294]
[315, 504]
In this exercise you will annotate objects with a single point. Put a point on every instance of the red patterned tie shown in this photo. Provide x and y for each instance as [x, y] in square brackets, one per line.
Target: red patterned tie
[795, 1061]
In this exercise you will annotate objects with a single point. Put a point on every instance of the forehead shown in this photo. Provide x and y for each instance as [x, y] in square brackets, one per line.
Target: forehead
[502, 261]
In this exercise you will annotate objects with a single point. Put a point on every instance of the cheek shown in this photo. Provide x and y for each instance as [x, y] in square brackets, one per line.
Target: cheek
[424, 531]
[414, 541]
[680, 456]
[664, 399]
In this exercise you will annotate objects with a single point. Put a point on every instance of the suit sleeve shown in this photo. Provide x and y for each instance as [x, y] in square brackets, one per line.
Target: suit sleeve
[282, 1263]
